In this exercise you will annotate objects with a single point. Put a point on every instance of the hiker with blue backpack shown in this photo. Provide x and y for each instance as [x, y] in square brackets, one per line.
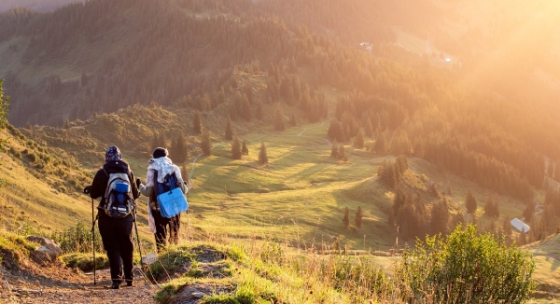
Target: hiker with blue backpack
[166, 189]
[114, 183]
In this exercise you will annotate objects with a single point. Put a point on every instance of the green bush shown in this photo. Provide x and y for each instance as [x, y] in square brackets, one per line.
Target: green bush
[466, 268]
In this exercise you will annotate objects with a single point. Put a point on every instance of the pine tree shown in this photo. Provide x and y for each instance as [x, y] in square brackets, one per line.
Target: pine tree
[235, 148]
[380, 144]
[368, 129]
[470, 203]
[179, 149]
[246, 108]
[206, 144]
[346, 218]
[244, 149]
[279, 119]
[229, 129]
[506, 226]
[263, 157]
[197, 123]
[359, 140]
[3, 106]
[358, 218]
[440, 216]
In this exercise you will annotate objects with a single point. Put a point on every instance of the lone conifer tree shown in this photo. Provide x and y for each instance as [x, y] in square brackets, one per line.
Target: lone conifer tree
[235, 148]
[179, 149]
[359, 140]
[346, 218]
[229, 129]
[358, 218]
[244, 149]
[197, 123]
[470, 203]
[440, 216]
[263, 157]
[205, 144]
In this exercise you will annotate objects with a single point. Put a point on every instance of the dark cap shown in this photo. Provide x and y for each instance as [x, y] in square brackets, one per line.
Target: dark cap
[159, 152]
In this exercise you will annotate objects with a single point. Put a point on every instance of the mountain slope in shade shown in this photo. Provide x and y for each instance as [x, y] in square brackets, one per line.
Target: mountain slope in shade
[37, 5]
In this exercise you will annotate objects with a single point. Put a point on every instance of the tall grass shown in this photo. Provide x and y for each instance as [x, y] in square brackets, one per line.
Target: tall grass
[264, 271]
[78, 238]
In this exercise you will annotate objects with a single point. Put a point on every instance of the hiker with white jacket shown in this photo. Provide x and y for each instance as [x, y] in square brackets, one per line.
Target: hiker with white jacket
[158, 224]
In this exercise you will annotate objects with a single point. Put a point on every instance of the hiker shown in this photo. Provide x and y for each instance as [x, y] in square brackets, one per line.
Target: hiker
[159, 225]
[116, 231]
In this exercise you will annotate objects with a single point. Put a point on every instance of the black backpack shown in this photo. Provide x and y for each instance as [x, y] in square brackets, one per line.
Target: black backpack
[119, 201]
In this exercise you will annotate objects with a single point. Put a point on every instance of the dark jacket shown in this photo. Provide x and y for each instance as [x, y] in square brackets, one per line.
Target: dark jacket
[101, 179]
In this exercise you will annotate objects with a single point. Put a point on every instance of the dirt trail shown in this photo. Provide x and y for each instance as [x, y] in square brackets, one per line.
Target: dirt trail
[57, 284]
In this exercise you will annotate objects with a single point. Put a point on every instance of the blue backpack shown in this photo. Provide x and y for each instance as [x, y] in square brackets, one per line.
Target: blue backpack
[171, 200]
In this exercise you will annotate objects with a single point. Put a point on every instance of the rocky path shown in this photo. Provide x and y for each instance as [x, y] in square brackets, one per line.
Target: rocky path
[58, 284]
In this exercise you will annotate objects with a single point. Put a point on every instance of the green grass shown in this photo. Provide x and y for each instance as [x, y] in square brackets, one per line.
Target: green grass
[299, 195]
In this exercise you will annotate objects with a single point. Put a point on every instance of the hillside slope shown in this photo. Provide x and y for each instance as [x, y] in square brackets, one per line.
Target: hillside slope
[37, 5]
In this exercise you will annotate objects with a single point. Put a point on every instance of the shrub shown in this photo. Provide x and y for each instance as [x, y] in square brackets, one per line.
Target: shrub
[84, 261]
[78, 238]
[467, 268]
[32, 157]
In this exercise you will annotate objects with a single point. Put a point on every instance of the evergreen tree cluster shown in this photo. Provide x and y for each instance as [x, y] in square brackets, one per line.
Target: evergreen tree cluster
[406, 105]
[390, 173]
[358, 218]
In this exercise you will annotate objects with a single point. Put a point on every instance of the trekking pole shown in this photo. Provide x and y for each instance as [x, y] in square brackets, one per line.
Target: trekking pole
[138, 240]
[93, 219]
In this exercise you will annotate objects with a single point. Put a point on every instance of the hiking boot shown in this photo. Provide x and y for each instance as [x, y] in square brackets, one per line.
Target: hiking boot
[116, 285]
[128, 283]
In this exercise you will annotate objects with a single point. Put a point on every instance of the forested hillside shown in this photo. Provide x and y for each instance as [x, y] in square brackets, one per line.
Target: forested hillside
[37, 5]
[458, 103]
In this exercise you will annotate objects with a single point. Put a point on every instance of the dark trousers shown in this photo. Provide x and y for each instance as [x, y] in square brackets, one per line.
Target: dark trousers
[117, 241]
[163, 225]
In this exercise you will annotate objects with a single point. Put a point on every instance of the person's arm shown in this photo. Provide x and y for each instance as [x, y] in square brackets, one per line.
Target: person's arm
[148, 189]
[135, 191]
[99, 184]
[180, 180]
